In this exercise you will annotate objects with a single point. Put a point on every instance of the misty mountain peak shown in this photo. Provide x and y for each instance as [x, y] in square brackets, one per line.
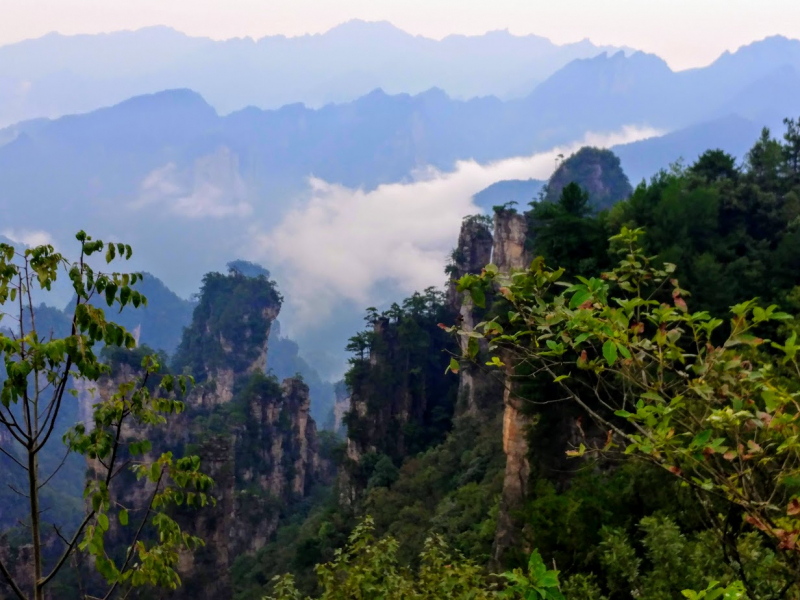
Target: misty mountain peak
[358, 28]
[434, 94]
[182, 98]
[774, 50]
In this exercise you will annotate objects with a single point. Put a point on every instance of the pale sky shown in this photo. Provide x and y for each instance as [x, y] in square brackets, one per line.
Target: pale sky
[686, 33]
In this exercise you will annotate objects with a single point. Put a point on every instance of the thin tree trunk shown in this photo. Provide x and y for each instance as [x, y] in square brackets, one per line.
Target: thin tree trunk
[33, 485]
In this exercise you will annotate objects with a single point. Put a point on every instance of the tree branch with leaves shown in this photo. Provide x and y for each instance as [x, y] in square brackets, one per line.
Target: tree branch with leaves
[713, 403]
[40, 374]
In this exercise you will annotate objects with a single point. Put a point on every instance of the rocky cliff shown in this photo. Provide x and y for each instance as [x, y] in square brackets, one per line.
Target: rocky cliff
[509, 254]
[478, 389]
[228, 335]
[254, 435]
[340, 407]
[510, 233]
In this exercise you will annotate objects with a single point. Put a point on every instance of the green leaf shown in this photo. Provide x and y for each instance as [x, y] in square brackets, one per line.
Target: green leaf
[582, 338]
[610, 352]
[111, 292]
[102, 521]
[478, 297]
[453, 366]
[701, 439]
[579, 298]
[495, 362]
[123, 517]
[473, 347]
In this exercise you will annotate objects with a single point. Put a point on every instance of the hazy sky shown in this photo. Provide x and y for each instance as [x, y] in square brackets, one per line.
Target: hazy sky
[685, 32]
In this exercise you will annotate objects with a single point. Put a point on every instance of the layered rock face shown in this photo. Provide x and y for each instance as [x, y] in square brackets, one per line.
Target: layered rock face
[476, 388]
[340, 407]
[510, 233]
[509, 254]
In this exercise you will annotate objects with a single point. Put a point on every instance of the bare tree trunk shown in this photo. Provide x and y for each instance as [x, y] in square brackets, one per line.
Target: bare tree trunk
[33, 485]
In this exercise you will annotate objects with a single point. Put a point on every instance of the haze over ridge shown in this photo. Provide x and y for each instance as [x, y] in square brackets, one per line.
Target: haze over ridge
[685, 32]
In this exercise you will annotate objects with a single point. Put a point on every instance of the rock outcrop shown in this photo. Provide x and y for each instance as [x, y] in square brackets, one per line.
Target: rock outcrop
[254, 435]
[477, 389]
[341, 405]
[228, 335]
[379, 404]
[510, 234]
[509, 254]
[595, 170]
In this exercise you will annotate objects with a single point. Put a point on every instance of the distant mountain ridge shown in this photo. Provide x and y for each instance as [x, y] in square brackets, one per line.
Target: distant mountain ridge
[56, 74]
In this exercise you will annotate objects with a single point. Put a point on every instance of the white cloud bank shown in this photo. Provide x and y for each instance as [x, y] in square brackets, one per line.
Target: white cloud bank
[213, 187]
[343, 241]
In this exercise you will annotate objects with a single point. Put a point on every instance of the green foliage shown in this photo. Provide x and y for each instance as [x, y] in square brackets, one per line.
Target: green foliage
[566, 232]
[400, 363]
[537, 582]
[384, 474]
[597, 171]
[160, 324]
[230, 323]
[715, 165]
[368, 568]
[732, 232]
[720, 423]
[452, 490]
[508, 207]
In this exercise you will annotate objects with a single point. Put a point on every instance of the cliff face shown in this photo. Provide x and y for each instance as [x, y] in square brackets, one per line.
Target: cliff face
[254, 436]
[228, 335]
[383, 408]
[278, 446]
[510, 232]
[477, 389]
[341, 405]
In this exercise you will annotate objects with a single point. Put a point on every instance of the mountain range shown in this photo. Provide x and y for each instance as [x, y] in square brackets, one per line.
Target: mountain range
[56, 74]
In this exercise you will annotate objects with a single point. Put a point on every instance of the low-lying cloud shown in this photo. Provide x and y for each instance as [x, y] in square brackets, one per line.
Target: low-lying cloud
[28, 237]
[212, 187]
[341, 243]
